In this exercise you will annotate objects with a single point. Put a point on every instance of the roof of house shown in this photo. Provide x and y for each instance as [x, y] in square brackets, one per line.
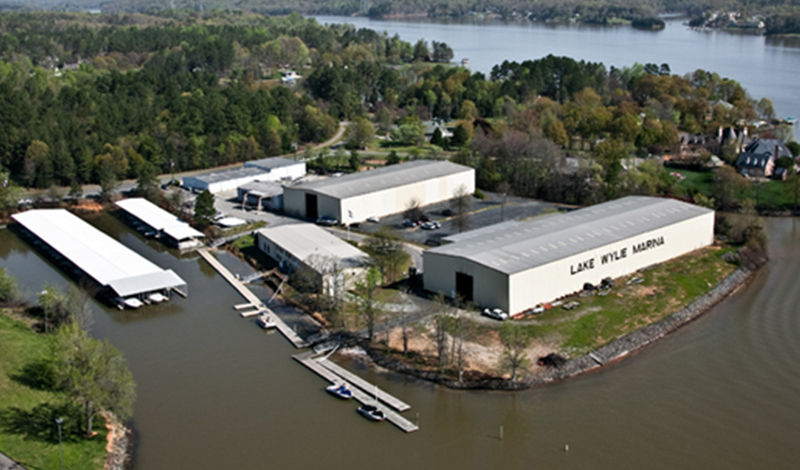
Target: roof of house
[306, 240]
[107, 261]
[753, 160]
[514, 247]
[392, 176]
[272, 163]
[759, 146]
[158, 218]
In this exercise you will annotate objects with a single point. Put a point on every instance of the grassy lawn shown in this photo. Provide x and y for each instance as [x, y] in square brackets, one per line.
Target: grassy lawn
[665, 289]
[772, 195]
[28, 407]
[246, 248]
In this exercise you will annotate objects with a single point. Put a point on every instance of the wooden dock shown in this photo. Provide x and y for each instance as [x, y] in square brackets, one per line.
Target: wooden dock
[253, 299]
[363, 384]
[360, 395]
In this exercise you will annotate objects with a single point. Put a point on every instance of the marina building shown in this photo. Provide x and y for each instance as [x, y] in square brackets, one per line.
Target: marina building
[161, 223]
[517, 265]
[336, 263]
[128, 278]
[265, 169]
[355, 197]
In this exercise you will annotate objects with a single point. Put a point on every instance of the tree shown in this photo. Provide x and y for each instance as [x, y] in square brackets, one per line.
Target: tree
[9, 291]
[108, 183]
[793, 147]
[765, 109]
[460, 205]
[515, 340]
[421, 51]
[94, 373]
[460, 136]
[393, 158]
[727, 187]
[10, 193]
[387, 252]
[354, 161]
[204, 210]
[442, 52]
[793, 184]
[441, 323]
[75, 191]
[413, 210]
[147, 185]
[368, 307]
[359, 133]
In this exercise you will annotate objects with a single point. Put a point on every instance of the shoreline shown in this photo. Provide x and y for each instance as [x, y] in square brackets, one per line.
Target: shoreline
[612, 352]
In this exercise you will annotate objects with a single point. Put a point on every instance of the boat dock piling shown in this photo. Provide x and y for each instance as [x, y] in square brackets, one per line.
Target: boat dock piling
[253, 299]
[364, 395]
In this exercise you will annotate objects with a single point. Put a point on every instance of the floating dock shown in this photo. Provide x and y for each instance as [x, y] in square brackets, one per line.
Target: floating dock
[363, 384]
[253, 299]
[365, 397]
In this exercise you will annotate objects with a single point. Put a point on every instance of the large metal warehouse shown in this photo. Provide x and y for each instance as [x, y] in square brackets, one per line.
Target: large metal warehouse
[518, 265]
[355, 197]
[266, 169]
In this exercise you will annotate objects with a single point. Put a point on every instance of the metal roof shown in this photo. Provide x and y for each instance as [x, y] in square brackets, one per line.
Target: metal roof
[104, 259]
[392, 176]
[514, 247]
[158, 218]
[305, 240]
[262, 188]
[228, 175]
[271, 163]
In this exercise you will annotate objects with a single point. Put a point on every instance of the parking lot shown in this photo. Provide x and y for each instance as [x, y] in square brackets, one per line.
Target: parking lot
[484, 212]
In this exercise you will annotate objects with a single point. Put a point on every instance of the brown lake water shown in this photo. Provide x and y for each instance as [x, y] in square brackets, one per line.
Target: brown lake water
[217, 392]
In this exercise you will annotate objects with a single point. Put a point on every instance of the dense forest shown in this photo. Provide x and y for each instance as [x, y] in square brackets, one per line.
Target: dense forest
[780, 15]
[97, 98]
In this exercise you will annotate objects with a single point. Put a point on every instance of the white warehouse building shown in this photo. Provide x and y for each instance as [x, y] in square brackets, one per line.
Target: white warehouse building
[516, 266]
[266, 169]
[336, 263]
[355, 197]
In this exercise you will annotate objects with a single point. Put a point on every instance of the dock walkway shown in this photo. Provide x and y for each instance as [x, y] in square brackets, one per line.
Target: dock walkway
[256, 303]
[360, 395]
[363, 384]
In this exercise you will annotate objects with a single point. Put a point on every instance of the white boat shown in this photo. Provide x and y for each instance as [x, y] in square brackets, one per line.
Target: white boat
[265, 321]
[340, 391]
[132, 302]
[156, 297]
[371, 412]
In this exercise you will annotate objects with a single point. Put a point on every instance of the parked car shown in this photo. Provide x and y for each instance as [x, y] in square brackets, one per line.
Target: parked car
[495, 313]
[326, 221]
[409, 223]
[374, 219]
[447, 212]
[432, 225]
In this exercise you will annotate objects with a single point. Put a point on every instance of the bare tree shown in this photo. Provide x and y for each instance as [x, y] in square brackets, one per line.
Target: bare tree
[515, 340]
[460, 205]
[441, 324]
[413, 210]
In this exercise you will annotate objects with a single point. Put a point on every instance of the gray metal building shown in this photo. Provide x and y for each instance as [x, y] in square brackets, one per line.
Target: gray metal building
[355, 197]
[518, 265]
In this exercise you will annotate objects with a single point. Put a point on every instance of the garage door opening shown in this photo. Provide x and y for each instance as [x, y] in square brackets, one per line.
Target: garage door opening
[311, 206]
[464, 287]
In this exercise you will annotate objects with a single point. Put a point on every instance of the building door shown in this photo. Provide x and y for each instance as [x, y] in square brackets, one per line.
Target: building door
[464, 287]
[311, 206]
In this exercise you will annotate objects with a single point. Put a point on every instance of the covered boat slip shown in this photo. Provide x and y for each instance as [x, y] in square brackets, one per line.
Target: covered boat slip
[179, 232]
[111, 264]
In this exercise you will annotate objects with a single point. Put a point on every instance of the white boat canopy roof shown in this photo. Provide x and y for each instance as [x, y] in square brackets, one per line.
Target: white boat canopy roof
[104, 259]
[158, 218]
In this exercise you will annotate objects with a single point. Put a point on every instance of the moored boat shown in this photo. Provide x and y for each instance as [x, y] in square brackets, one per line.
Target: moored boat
[371, 412]
[265, 321]
[340, 391]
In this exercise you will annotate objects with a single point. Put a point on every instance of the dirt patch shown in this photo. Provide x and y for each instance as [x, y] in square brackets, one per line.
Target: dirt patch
[119, 444]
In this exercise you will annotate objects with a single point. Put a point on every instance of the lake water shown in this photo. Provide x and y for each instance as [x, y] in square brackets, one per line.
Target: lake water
[217, 392]
[766, 67]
